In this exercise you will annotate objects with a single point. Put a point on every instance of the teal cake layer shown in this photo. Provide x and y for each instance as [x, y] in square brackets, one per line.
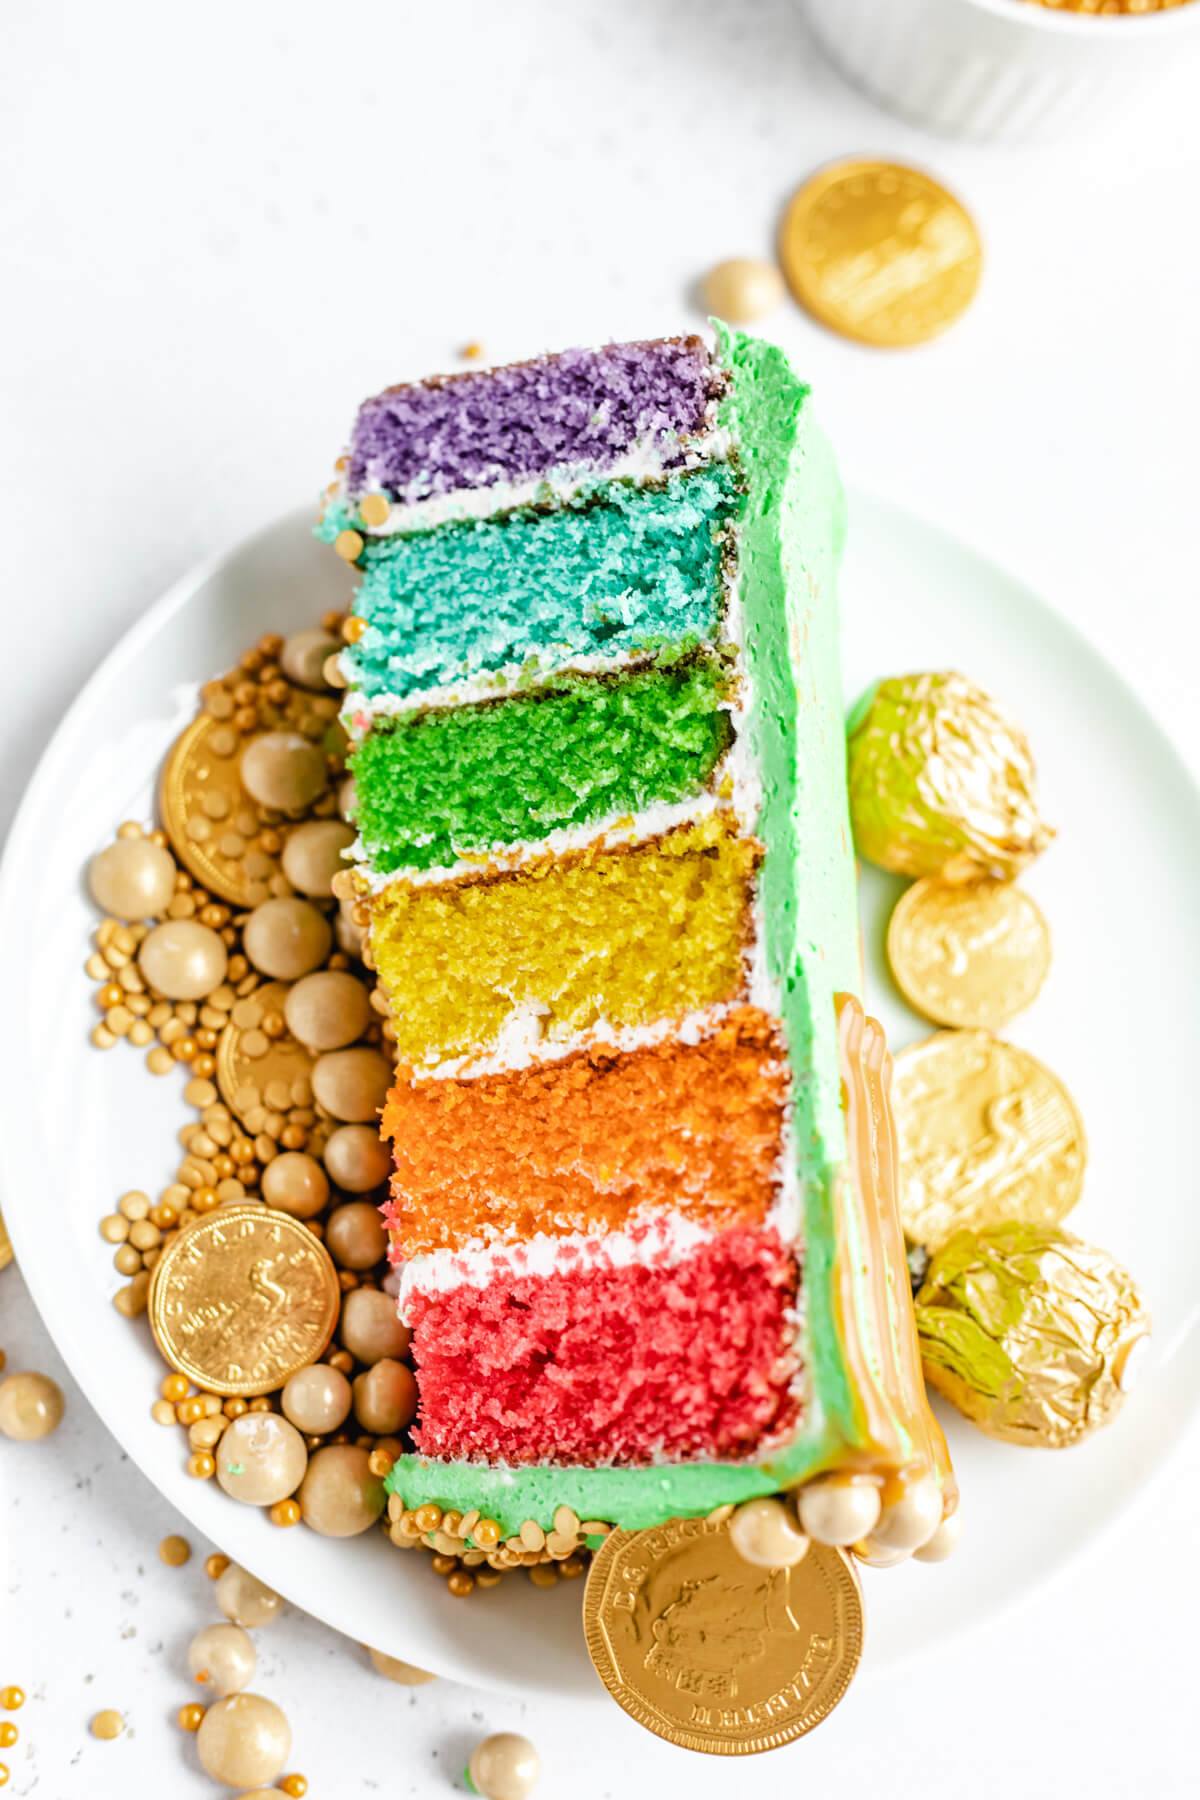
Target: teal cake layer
[790, 534]
[437, 785]
[623, 568]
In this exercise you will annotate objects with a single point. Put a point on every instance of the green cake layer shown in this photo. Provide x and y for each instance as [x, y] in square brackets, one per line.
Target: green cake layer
[434, 786]
[618, 568]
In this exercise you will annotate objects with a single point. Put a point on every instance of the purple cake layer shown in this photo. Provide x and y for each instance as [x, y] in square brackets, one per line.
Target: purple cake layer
[580, 410]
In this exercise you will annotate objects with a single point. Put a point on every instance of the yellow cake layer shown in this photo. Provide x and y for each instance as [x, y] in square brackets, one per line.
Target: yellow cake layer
[628, 935]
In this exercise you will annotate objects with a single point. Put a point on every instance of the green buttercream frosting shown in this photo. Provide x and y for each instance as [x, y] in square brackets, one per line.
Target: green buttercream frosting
[790, 532]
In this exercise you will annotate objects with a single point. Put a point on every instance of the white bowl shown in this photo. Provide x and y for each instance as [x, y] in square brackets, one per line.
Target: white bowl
[1001, 68]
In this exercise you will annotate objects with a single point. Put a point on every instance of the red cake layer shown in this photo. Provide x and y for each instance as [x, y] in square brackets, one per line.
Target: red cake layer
[581, 1144]
[668, 1361]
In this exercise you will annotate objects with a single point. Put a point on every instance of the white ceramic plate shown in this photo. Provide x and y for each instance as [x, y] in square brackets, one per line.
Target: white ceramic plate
[1116, 1021]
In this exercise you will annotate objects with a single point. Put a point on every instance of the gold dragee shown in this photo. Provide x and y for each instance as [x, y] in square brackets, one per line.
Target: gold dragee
[986, 1134]
[712, 1653]
[968, 955]
[1028, 1331]
[880, 253]
[941, 781]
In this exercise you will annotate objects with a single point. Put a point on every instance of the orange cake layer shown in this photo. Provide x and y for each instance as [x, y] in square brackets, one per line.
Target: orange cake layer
[583, 1143]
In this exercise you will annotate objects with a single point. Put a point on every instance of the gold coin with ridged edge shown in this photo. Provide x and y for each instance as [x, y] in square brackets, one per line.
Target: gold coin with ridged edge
[213, 824]
[254, 1070]
[968, 953]
[712, 1653]
[242, 1299]
[986, 1135]
[880, 253]
[6, 1249]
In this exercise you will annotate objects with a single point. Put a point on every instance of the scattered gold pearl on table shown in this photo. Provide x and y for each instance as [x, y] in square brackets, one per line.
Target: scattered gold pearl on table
[215, 1565]
[260, 1458]
[191, 1716]
[765, 1533]
[339, 1496]
[295, 1183]
[355, 1236]
[742, 289]
[836, 1511]
[283, 770]
[317, 1399]
[294, 1786]
[370, 1326]
[8, 1735]
[12, 1698]
[31, 1405]
[404, 1673]
[910, 1516]
[286, 938]
[312, 856]
[356, 1158]
[132, 879]
[174, 1551]
[385, 1397]
[504, 1767]
[222, 1657]
[327, 1010]
[243, 1740]
[107, 1724]
[352, 1085]
[303, 658]
[244, 1599]
[183, 959]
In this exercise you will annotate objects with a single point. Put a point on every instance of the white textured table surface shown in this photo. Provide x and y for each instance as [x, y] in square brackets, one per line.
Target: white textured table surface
[223, 225]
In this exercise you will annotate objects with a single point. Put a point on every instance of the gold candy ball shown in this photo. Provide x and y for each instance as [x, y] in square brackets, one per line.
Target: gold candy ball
[327, 1010]
[352, 1085]
[286, 938]
[355, 1236]
[245, 1599]
[504, 1767]
[943, 1543]
[371, 1328]
[282, 769]
[385, 1397]
[132, 879]
[303, 658]
[244, 1740]
[742, 289]
[31, 1405]
[261, 1458]
[295, 1183]
[339, 1496]
[838, 1512]
[356, 1158]
[222, 1657]
[183, 959]
[107, 1724]
[763, 1532]
[911, 1519]
[312, 855]
[405, 1674]
[317, 1399]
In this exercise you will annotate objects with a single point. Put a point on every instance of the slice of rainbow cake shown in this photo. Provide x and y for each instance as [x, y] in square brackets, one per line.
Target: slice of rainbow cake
[641, 1203]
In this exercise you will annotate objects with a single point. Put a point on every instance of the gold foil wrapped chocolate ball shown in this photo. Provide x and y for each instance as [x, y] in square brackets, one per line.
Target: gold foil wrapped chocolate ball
[1030, 1332]
[942, 781]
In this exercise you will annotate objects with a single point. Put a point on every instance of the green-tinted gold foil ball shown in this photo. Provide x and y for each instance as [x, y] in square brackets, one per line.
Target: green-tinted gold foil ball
[1029, 1332]
[942, 781]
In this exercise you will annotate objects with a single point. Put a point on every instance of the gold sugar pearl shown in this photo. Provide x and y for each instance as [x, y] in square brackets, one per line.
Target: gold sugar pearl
[174, 1551]
[374, 509]
[8, 1735]
[460, 1583]
[504, 1767]
[108, 1724]
[31, 1406]
[201, 1465]
[294, 1786]
[12, 1698]
[485, 1533]
[742, 289]
[215, 1565]
[191, 1716]
[349, 545]
[285, 1513]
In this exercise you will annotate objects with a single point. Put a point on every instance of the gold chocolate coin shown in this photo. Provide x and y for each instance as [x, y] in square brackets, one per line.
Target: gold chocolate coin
[879, 252]
[712, 1653]
[214, 827]
[255, 1071]
[973, 954]
[242, 1299]
[6, 1249]
[986, 1134]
